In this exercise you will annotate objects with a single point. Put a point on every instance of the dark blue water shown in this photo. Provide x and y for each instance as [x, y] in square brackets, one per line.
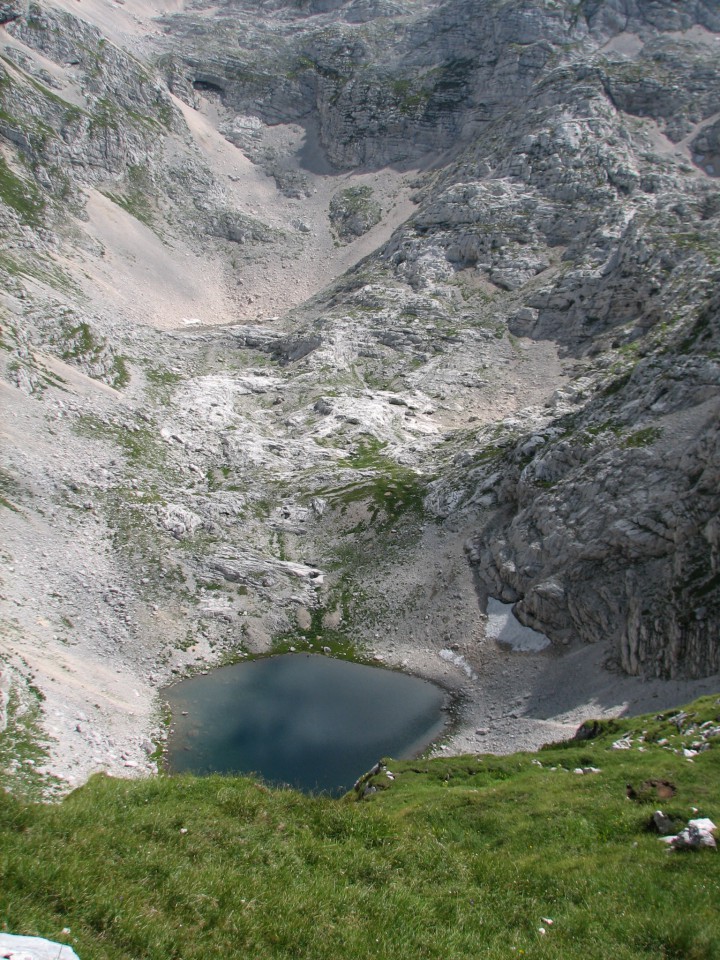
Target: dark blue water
[305, 720]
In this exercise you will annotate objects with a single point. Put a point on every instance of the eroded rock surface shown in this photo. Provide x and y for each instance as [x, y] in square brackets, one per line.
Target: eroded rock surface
[299, 299]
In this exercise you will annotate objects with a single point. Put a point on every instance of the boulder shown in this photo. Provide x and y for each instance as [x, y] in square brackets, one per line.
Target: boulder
[33, 948]
[698, 833]
[178, 520]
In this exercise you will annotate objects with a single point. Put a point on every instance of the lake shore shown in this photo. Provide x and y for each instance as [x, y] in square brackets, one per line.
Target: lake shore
[506, 699]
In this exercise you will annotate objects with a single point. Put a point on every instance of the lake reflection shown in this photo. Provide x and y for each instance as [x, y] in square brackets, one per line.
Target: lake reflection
[303, 719]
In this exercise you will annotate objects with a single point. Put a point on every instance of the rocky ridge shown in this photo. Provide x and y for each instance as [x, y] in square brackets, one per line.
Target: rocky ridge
[519, 358]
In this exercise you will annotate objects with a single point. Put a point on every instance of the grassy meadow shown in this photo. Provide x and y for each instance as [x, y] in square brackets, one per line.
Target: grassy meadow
[464, 857]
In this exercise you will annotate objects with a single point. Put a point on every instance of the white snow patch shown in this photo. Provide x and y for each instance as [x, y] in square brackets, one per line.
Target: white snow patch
[503, 626]
[451, 657]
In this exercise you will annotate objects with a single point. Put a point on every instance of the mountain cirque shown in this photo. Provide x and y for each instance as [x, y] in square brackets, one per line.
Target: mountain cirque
[324, 321]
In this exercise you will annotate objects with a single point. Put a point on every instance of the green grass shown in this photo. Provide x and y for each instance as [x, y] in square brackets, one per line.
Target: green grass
[642, 438]
[390, 490]
[161, 384]
[131, 518]
[455, 858]
[140, 445]
[82, 343]
[136, 199]
[411, 97]
[23, 747]
[21, 195]
[136, 204]
[317, 636]
[120, 376]
[40, 268]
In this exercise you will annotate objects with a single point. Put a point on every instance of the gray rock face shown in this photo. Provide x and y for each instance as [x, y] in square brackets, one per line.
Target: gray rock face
[353, 212]
[372, 110]
[638, 15]
[706, 149]
[111, 134]
[452, 72]
[612, 532]
[12, 9]
[109, 74]
[529, 357]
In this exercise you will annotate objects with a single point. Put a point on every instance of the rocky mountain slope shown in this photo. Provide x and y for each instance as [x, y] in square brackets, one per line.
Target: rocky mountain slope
[323, 322]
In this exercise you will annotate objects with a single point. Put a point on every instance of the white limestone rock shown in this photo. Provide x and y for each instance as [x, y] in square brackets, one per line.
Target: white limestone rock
[14, 947]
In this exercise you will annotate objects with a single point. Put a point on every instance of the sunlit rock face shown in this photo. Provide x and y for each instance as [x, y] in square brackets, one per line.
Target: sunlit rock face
[297, 298]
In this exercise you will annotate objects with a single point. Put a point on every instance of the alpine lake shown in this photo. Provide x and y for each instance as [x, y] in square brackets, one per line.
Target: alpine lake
[304, 720]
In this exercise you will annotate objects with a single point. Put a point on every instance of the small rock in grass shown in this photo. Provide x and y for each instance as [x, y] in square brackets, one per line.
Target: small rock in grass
[697, 834]
[663, 824]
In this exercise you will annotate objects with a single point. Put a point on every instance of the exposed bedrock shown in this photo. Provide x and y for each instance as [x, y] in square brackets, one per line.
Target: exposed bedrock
[611, 532]
[391, 275]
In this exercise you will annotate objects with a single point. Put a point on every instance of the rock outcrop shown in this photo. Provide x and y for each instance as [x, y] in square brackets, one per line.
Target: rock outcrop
[283, 282]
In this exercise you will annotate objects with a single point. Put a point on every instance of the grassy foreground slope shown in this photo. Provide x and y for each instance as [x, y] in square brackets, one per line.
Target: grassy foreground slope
[465, 857]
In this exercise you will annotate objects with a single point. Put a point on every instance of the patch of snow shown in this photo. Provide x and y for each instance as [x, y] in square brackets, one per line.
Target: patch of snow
[503, 626]
[458, 660]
